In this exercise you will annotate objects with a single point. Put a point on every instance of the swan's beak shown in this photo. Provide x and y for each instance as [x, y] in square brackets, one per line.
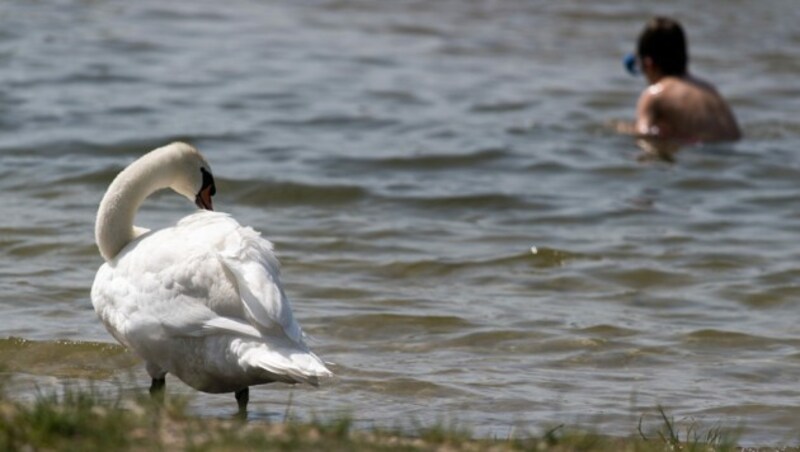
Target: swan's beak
[209, 189]
[203, 199]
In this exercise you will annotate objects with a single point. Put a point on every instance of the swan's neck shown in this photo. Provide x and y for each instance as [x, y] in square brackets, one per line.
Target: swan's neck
[114, 227]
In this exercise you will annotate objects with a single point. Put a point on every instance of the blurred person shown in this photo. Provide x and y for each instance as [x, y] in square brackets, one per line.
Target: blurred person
[676, 108]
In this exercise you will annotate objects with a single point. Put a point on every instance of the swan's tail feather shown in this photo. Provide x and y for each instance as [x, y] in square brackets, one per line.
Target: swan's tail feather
[290, 366]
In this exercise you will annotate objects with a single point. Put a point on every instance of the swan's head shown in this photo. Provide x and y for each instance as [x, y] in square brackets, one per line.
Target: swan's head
[194, 179]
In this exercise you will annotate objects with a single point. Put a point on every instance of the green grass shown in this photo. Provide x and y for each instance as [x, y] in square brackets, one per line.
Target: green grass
[85, 419]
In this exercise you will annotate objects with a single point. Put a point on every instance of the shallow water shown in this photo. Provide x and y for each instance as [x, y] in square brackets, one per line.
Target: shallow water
[404, 157]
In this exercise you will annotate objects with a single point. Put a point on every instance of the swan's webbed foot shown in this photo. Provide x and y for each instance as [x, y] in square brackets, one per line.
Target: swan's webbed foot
[242, 397]
[157, 389]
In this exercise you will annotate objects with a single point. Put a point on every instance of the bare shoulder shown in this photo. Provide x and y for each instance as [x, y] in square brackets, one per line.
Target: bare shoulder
[701, 84]
[693, 110]
[690, 89]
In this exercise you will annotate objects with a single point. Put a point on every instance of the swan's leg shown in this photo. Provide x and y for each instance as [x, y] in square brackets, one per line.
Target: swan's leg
[242, 397]
[159, 381]
[157, 389]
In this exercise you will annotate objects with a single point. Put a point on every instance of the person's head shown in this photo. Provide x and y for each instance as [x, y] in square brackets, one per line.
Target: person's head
[662, 47]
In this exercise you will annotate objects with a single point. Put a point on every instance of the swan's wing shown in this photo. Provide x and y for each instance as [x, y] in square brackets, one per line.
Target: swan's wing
[227, 325]
[256, 271]
[206, 275]
[144, 305]
[138, 304]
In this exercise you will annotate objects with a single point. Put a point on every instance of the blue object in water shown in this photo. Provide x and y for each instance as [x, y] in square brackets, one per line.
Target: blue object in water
[630, 64]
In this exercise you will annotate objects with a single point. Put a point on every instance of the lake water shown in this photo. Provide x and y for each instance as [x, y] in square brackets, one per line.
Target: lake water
[404, 157]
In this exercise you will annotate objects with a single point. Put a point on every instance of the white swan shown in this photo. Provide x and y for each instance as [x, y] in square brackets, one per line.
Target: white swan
[200, 300]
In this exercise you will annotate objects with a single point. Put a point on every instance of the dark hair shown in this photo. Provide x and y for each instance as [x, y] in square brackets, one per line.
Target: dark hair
[663, 40]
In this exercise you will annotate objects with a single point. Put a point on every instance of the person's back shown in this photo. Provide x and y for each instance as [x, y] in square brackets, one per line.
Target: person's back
[685, 109]
[676, 106]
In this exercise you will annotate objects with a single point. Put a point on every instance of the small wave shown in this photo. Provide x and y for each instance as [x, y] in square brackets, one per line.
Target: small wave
[427, 162]
[421, 268]
[27, 250]
[647, 277]
[548, 167]
[98, 178]
[544, 258]
[394, 326]
[97, 77]
[261, 193]
[552, 257]
[501, 107]
[133, 110]
[129, 148]
[119, 44]
[496, 340]
[336, 120]
[191, 14]
[488, 201]
[772, 291]
[398, 96]
[771, 129]
[713, 183]
[375, 61]
[607, 331]
[411, 387]
[714, 338]
[417, 30]
[605, 355]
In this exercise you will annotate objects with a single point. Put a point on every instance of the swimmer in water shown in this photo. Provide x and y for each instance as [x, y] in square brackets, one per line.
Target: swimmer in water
[676, 108]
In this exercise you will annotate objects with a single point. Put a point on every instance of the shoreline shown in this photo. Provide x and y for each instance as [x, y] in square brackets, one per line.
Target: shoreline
[90, 419]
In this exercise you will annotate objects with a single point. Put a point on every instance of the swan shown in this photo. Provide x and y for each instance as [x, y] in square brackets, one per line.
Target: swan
[201, 300]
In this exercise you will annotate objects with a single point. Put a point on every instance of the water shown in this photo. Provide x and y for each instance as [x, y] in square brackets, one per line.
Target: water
[404, 157]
